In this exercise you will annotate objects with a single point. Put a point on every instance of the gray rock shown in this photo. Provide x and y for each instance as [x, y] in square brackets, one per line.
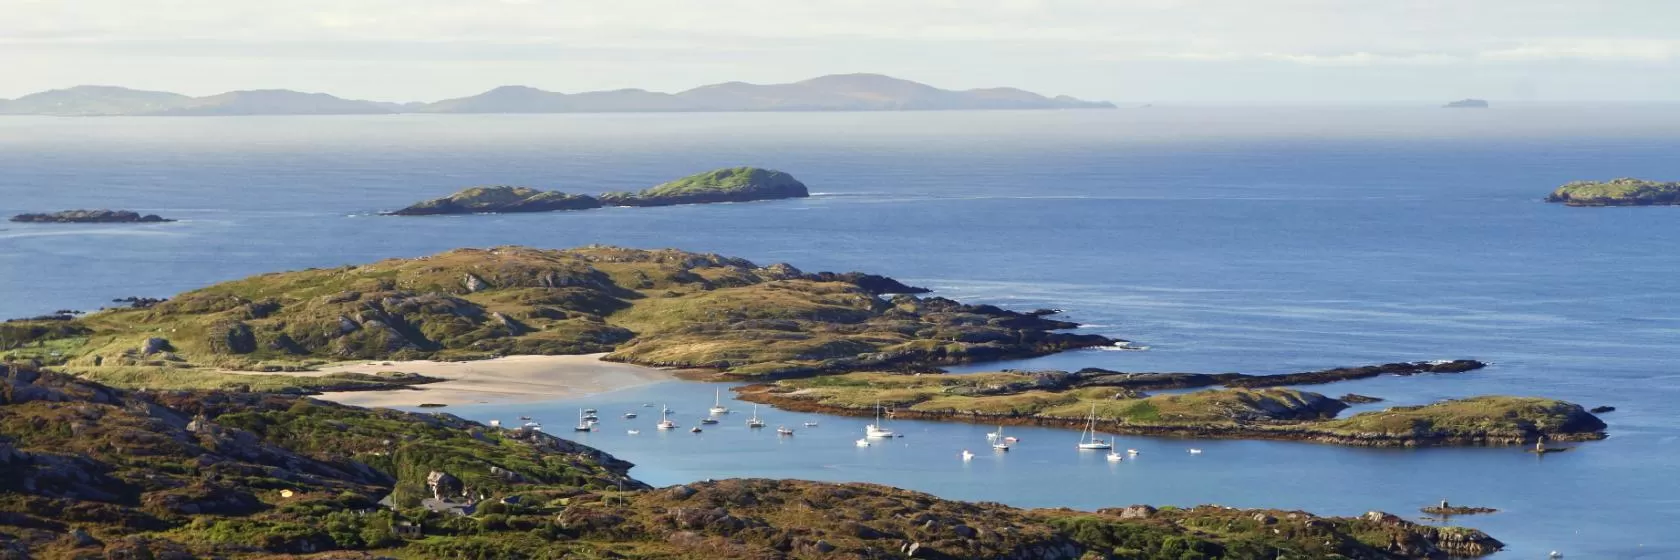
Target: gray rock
[154, 345]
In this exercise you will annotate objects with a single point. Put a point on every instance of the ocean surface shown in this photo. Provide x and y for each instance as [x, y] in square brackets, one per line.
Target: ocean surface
[1252, 240]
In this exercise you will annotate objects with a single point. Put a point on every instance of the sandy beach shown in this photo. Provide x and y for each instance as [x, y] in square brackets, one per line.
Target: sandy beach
[514, 378]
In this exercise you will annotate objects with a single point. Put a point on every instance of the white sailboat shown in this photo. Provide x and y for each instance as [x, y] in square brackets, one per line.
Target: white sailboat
[666, 423]
[1088, 438]
[879, 428]
[717, 406]
[1000, 443]
[754, 422]
[583, 423]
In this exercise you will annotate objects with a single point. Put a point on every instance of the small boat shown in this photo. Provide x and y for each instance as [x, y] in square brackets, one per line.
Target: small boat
[634, 432]
[525, 418]
[784, 430]
[629, 415]
[1088, 439]
[495, 423]
[589, 411]
[966, 454]
[811, 424]
[591, 418]
[1114, 456]
[533, 425]
[708, 420]
[1131, 452]
[647, 405]
[584, 424]
[694, 430]
[717, 405]
[879, 428]
[666, 423]
[1194, 451]
[863, 442]
[755, 422]
[1002, 443]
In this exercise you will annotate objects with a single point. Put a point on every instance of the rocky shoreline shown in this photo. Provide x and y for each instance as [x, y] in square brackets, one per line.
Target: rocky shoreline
[194, 474]
[91, 217]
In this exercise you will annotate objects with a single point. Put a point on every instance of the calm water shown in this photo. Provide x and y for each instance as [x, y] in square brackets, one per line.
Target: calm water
[1253, 240]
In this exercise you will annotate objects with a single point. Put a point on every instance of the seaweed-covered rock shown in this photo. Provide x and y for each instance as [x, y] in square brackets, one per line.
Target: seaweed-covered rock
[91, 217]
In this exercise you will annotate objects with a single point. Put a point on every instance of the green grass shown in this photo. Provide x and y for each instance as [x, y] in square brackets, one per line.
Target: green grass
[727, 180]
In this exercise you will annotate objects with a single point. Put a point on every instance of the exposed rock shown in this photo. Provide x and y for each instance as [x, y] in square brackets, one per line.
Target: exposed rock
[444, 486]
[154, 345]
[1602, 409]
[91, 217]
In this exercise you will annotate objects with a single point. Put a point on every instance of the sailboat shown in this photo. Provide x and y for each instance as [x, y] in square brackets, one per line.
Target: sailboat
[879, 428]
[583, 423]
[784, 430]
[1088, 438]
[1001, 443]
[754, 422]
[717, 406]
[665, 423]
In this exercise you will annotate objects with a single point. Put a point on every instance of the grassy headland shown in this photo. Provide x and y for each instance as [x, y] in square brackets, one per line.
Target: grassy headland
[101, 472]
[1064, 399]
[658, 308]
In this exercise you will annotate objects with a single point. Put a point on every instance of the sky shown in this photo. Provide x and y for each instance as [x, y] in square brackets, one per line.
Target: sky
[1127, 51]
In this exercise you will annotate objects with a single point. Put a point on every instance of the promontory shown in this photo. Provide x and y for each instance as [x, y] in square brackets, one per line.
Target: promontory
[664, 308]
[91, 217]
[734, 184]
[1617, 192]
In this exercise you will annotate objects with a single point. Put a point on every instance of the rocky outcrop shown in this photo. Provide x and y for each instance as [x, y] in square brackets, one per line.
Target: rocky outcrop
[91, 217]
[736, 184]
[500, 199]
[1157, 381]
[1617, 192]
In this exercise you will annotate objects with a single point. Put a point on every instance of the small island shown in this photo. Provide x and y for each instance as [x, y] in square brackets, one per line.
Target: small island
[91, 217]
[1070, 399]
[1467, 104]
[735, 184]
[1617, 192]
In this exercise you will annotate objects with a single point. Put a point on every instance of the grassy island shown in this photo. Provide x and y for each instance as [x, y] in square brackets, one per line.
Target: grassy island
[98, 472]
[734, 184]
[659, 308]
[1617, 192]
[1064, 399]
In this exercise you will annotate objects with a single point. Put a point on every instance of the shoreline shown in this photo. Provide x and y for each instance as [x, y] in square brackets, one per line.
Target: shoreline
[497, 380]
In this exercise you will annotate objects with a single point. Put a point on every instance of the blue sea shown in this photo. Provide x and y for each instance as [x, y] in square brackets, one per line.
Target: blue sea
[1259, 240]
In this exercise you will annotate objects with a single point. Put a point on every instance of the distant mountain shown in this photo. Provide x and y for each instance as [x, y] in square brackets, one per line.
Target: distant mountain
[275, 102]
[92, 101]
[841, 92]
[1467, 104]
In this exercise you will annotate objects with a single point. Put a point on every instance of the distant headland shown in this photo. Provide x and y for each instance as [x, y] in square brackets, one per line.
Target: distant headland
[91, 217]
[840, 92]
[1467, 104]
[734, 184]
[1617, 192]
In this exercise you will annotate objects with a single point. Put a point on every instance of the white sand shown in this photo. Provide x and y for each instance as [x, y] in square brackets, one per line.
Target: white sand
[510, 379]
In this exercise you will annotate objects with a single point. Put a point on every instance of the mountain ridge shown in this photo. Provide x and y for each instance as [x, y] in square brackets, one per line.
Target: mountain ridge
[834, 92]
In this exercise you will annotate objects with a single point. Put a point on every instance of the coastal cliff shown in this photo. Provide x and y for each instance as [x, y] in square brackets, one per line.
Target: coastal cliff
[1065, 400]
[91, 217]
[100, 472]
[734, 184]
[1617, 192]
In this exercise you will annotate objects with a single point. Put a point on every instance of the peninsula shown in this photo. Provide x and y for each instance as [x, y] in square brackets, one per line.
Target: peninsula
[1070, 399]
[838, 92]
[734, 184]
[94, 471]
[1617, 192]
[725, 317]
[91, 217]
